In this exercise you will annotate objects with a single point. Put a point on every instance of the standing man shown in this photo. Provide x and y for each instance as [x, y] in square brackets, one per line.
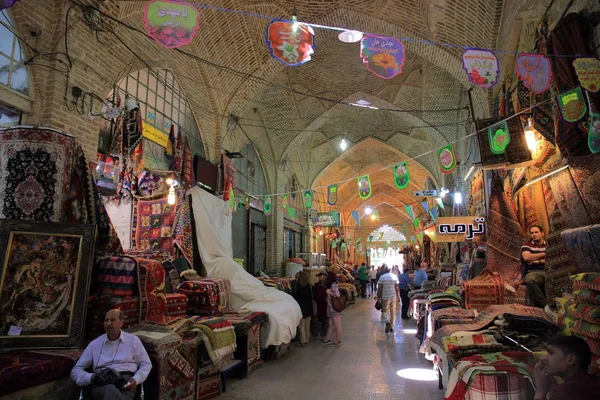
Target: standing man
[533, 265]
[404, 283]
[118, 360]
[421, 275]
[363, 277]
[320, 298]
[388, 294]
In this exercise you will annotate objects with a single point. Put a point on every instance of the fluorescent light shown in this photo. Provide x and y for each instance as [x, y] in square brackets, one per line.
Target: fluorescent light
[539, 178]
[171, 198]
[469, 173]
[350, 36]
[458, 198]
[363, 102]
[443, 192]
[363, 106]
[343, 144]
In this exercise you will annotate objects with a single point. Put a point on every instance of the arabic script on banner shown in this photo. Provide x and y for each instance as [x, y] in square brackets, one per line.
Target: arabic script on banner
[384, 56]
[170, 23]
[588, 72]
[290, 46]
[155, 135]
[535, 71]
[481, 67]
[460, 229]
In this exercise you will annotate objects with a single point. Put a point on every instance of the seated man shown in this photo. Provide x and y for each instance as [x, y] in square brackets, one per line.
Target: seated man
[421, 275]
[533, 264]
[118, 359]
[569, 358]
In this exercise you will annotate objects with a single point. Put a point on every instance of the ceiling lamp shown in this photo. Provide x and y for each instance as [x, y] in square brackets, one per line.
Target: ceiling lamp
[443, 192]
[343, 144]
[350, 36]
[373, 217]
[458, 199]
[368, 210]
[530, 136]
[469, 173]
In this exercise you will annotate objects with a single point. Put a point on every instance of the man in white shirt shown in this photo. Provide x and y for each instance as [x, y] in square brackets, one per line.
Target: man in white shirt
[119, 351]
[389, 295]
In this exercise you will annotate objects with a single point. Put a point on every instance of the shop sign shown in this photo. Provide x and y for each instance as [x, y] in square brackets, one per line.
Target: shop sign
[481, 67]
[572, 105]
[535, 71]
[288, 45]
[588, 72]
[170, 23]
[153, 134]
[460, 229]
[331, 218]
[7, 3]
[499, 137]
[384, 56]
[425, 193]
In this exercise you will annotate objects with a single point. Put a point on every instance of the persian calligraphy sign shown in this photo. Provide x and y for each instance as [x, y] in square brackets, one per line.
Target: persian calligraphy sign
[290, 43]
[481, 67]
[460, 229]
[384, 56]
[535, 71]
[588, 73]
[170, 23]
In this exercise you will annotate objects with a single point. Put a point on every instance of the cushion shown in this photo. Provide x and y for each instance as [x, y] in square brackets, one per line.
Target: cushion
[586, 280]
[582, 328]
[152, 291]
[155, 338]
[594, 345]
[116, 276]
[176, 305]
[587, 296]
[203, 296]
[584, 311]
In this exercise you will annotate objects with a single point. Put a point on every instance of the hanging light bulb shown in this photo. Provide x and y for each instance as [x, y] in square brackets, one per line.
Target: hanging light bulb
[294, 21]
[368, 210]
[343, 144]
[171, 198]
[443, 192]
[373, 217]
[458, 198]
[321, 233]
[530, 136]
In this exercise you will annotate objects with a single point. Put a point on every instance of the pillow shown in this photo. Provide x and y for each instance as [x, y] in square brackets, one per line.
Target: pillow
[586, 280]
[587, 296]
[116, 276]
[587, 312]
[190, 275]
[582, 328]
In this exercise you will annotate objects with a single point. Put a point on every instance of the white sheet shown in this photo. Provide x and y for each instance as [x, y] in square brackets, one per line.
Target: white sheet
[213, 232]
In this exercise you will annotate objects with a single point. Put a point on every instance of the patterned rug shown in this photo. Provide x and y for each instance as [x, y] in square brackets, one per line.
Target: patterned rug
[569, 201]
[152, 291]
[485, 290]
[505, 236]
[581, 247]
[477, 195]
[35, 172]
[218, 335]
[183, 237]
[586, 174]
[154, 225]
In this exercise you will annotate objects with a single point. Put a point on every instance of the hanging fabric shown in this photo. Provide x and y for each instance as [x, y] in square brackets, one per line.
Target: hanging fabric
[268, 205]
[308, 198]
[572, 105]
[284, 202]
[332, 195]
[401, 175]
[498, 137]
[364, 187]
[291, 212]
[447, 158]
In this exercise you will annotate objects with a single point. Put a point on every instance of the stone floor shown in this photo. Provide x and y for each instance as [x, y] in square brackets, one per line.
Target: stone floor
[365, 366]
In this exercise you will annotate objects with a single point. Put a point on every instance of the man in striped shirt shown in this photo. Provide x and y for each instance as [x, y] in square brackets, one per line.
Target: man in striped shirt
[389, 295]
[533, 264]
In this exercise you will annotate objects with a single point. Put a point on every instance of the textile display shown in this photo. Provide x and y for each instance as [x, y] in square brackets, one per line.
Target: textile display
[594, 345]
[208, 386]
[505, 363]
[476, 205]
[518, 297]
[218, 335]
[587, 312]
[582, 328]
[588, 280]
[100, 305]
[176, 305]
[587, 296]
[569, 201]
[155, 338]
[497, 387]
[24, 369]
[505, 236]
[487, 289]
[116, 276]
[528, 325]
[586, 174]
[351, 290]
[154, 225]
[182, 235]
[153, 300]
[35, 172]
[203, 296]
[524, 208]
[570, 38]
[452, 343]
[581, 247]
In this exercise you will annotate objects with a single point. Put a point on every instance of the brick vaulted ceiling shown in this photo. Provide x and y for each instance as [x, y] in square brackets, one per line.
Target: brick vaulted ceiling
[303, 132]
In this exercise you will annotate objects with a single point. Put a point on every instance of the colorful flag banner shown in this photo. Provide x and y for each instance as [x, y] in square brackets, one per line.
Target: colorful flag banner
[332, 195]
[291, 212]
[291, 44]
[433, 213]
[247, 202]
[535, 71]
[268, 205]
[404, 229]
[420, 238]
[284, 202]
[593, 126]
[572, 105]
[431, 232]
[416, 222]
[588, 73]
[481, 67]
[425, 206]
[308, 198]
[384, 56]
[231, 199]
[364, 187]
[440, 202]
[380, 236]
[344, 246]
[447, 158]
[409, 211]
[401, 175]
[334, 244]
[356, 217]
[499, 137]
[171, 24]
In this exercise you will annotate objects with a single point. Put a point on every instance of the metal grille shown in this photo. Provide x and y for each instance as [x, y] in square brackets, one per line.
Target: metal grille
[258, 249]
[12, 71]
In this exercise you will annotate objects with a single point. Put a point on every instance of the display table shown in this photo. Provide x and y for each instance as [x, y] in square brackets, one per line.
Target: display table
[247, 331]
[312, 273]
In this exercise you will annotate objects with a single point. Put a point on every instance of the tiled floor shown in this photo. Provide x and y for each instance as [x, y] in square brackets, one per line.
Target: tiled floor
[365, 366]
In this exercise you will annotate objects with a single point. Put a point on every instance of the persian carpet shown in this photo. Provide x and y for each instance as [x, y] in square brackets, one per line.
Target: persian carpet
[505, 236]
[116, 276]
[524, 208]
[477, 195]
[581, 247]
[586, 174]
[485, 290]
[569, 201]
[208, 386]
[203, 296]
[154, 225]
[218, 335]
[156, 338]
[35, 172]
[152, 291]
[183, 236]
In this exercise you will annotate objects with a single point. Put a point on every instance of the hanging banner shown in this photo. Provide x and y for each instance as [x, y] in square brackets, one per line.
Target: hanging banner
[291, 212]
[433, 213]
[401, 175]
[364, 187]
[308, 198]
[447, 158]
[588, 73]
[384, 56]
[289, 46]
[572, 105]
[343, 246]
[404, 229]
[431, 232]
[535, 71]
[268, 205]
[332, 195]
[231, 199]
[460, 229]
[498, 137]
[170, 23]
[247, 202]
[380, 236]
[284, 202]
[409, 211]
[154, 135]
[425, 207]
[481, 67]
[592, 125]
[331, 218]
[440, 202]
[420, 238]
[416, 222]
[356, 217]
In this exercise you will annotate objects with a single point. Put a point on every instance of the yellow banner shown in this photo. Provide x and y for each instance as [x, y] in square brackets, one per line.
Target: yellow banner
[155, 135]
[460, 229]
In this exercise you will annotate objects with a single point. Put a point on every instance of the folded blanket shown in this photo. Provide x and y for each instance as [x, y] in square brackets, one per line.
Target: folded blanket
[218, 336]
[587, 312]
[452, 343]
[155, 338]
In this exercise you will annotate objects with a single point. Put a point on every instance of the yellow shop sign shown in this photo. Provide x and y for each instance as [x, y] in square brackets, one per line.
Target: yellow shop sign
[154, 134]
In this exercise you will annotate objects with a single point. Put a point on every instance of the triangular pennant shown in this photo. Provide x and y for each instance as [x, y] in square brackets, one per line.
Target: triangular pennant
[404, 229]
[364, 187]
[284, 202]
[440, 202]
[291, 211]
[420, 238]
[498, 137]
[425, 206]
[433, 213]
[334, 244]
[231, 199]
[308, 198]
[401, 175]
[431, 232]
[409, 211]
[447, 158]
[268, 205]
[344, 246]
[332, 195]
[572, 105]
[356, 217]
[380, 236]
[416, 222]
